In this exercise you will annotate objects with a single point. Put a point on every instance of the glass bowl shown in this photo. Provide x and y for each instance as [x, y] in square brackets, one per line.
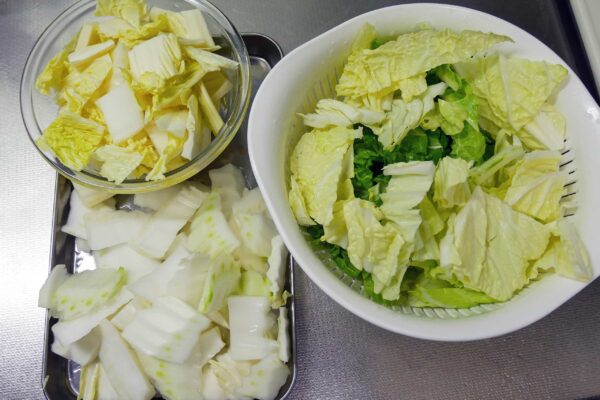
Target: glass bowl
[39, 110]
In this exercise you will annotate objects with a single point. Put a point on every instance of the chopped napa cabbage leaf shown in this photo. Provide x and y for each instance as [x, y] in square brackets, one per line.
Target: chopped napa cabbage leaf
[250, 261]
[298, 205]
[83, 351]
[283, 338]
[91, 197]
[177, 90]
[426, 244]
[86, 291]
[382, 69]
[210, 61]
[217, 85]
[405, 116]
[135, 264]
[155, 60]
[122, 113]
[54, 73]
[228, 181]
[265, 379]
[317, 167]
[412, 87]
[155, 200]
[82, 56]
[545, 131]
[566, 254]
[222, 280]
[277, 264]
[81, 86]
[189, 26]
[210, 233]
[430, 292]
[47, 297]
[364, 37]
[156, 283]
[117, 162]
[494, 258]
[213, 118]
[331, 112]
[122, 366]
[336, 232]
[450, 186]
[132, 11]
[126, 314]
[168, 330]
[67, 332]
[94, 383]
[73, 139]
[253, 283]
[167, 155]
[511, 91]
[108, 228]
[162, 227]
[114, 28]
[75, 225]
[250, 325]
[250, 202]
[537, 186]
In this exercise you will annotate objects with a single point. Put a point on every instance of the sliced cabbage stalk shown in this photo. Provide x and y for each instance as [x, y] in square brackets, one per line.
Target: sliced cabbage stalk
[132, 11]
[118, 163]
[122, 113]
[156, 199]
[67, 332]
[135, 264]
[251, 326]
[277, 262]
[72, 138]
[110, 228]
[91, 197]
[122, 366]
[228, 181]
[210, 233]
[173, 122]
[283, 336]
[223, 279]
[86, 291]
[217, 85]
[88, 53]
[168, 330]
[187, 283]
[75, 225]
[195, 140]
[223, 378]
[47, 295]
[126, 314]
[83, 351]
[160, 230]
[265, 379]
[155, 284]
[253, 283]
[213, 118]
[256, 231]
[88, 382]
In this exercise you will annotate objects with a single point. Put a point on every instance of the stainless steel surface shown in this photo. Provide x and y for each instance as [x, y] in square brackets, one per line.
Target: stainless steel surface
[339, 355]
[62, 376]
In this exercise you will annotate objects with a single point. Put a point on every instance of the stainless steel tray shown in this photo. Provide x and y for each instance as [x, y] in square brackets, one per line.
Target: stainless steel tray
[60, 376]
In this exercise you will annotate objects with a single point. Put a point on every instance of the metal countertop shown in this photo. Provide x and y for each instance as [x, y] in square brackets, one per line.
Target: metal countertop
[339, 355]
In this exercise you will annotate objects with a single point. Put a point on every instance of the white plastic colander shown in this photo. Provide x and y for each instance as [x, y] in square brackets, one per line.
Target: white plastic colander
[310, 73]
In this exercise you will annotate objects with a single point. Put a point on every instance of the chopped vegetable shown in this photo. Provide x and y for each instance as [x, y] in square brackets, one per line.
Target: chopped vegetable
[122, 113]
[249, 321]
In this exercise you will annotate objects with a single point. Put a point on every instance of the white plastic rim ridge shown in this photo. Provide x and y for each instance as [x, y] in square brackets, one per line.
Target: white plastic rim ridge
[310, 72]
